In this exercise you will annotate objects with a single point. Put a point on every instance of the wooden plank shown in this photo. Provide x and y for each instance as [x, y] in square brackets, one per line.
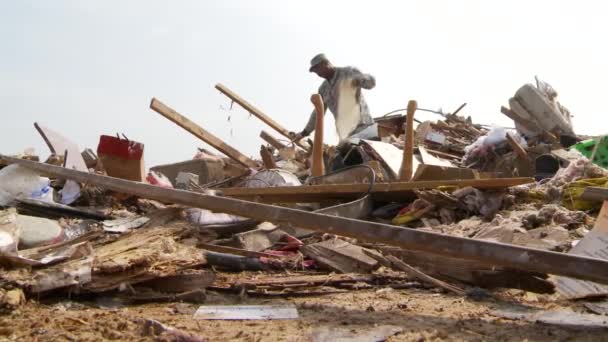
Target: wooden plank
[340, 256]
[407, 167]
[393, 190]
[521, 153]
[595, 194]
[200, 133]
[389, 155]
[58, 144]
[400, 265]
[272, 140]
[444, 154]
[318, 167]
[491, 253]
[257, 113]
[236, 251]
[428, 159]
[468, 271]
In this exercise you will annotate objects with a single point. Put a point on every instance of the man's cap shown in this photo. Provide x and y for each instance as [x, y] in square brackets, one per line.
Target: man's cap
[316, 60]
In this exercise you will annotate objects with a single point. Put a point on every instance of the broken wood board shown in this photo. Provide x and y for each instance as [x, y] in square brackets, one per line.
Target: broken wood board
[400, 265]
[60, 145]
[140, 256]
[490, 253]
[469, 271]
[594, 244]
[399, 191]
[257, 113]
[236, 251]
[390, 156]
[201, 133]
[428, 159]
[340, 256]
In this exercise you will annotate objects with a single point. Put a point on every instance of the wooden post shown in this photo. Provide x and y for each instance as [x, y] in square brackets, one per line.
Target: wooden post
[487, 252]
[406, 171]
[318, 167]
[267, 158]
[272, 140]
[257, 113]
[200, 133]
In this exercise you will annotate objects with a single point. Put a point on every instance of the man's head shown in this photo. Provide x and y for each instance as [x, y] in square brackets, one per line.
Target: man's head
[321, 66]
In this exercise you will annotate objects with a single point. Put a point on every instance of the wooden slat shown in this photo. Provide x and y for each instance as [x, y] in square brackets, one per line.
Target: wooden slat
[595, 194]
[256, 112]
[272, 140]
[394, 190]
[521, 153]
[407, 167]
[200, 133]
[491, 253]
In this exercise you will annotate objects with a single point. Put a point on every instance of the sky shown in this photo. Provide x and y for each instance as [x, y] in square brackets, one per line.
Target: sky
[87, 68]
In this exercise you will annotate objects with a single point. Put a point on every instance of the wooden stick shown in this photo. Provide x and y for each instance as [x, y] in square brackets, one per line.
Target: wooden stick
[400, 265]
[380, 191]
[272, 140]
[490, 253]
[521, 153]
[200, 133]
[267, 158]
[405, 174]
[236, 251]
[257, 113]
[318, 167]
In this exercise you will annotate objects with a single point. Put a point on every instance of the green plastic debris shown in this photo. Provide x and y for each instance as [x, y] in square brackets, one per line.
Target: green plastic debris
[601, 155]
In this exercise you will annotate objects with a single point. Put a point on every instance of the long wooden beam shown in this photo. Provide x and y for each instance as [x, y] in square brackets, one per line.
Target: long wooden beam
[200, 133]
[383, 191]
[492, 253]
[258, 113]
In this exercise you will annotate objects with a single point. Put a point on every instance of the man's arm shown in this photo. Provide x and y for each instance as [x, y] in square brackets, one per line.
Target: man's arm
[365, 81]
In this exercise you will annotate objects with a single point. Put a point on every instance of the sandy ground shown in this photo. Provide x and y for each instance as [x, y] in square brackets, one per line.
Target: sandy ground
[424, 315]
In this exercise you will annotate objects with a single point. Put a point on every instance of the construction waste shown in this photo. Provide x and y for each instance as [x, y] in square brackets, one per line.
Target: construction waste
[450, 207]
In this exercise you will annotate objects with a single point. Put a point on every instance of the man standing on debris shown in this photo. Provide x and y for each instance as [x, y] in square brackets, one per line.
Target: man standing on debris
[341, 93]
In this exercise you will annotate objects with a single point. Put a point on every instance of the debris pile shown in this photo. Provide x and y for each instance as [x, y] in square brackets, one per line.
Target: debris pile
[450, 205]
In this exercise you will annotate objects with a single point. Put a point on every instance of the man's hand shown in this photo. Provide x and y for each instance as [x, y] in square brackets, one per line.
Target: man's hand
[355, 82]
[295, 136]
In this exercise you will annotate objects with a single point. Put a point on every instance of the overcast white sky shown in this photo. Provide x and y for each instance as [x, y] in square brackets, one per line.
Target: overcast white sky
[86, 68]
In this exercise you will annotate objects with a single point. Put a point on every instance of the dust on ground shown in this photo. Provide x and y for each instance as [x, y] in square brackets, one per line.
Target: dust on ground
[424, 315]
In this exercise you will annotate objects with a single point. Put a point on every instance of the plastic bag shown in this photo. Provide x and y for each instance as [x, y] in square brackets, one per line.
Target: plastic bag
[20, 182]
[485, 144]
[157, 178]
